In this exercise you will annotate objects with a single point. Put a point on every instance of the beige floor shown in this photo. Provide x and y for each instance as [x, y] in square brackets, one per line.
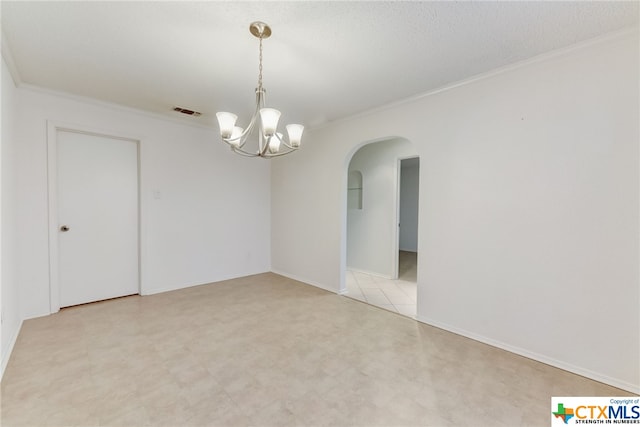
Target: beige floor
[394, 295]
[267, 351]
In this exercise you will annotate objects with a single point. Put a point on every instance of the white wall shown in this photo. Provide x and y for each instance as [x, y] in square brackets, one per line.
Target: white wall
[371, 231]
[409, 198]
[529, 193]
[11, 319]
[203, 227]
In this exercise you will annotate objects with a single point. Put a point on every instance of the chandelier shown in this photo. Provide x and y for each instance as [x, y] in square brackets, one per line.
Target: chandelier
[270, 142]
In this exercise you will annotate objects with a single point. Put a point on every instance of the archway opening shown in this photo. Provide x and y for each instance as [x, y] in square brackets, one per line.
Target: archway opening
[380, 252]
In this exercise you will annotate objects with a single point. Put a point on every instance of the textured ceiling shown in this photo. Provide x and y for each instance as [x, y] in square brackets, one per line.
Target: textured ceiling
[324, 61]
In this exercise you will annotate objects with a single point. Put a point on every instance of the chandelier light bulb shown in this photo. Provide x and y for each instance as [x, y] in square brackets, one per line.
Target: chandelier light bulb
[274, 143]
[269, 117]
[295, 135]
[226, 121]
[234, 139]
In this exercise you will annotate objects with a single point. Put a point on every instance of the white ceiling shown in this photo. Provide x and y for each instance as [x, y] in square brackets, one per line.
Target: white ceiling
[324, 61]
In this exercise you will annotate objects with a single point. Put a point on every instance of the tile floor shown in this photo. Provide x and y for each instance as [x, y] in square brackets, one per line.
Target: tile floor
[394, 295]
[265, 350]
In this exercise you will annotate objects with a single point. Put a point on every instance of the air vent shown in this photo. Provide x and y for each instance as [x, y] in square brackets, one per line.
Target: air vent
[187, 111]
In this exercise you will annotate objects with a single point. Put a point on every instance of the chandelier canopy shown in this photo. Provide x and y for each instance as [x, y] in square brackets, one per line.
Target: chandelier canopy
[268, 142]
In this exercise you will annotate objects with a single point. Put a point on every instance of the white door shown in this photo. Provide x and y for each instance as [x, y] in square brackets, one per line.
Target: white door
[98, 217]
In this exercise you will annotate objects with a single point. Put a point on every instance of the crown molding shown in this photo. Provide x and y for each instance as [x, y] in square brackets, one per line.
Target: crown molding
[8, 59]
[19, 83]
[603, 39]
[114, 106]
[7, 55]
[627, 32]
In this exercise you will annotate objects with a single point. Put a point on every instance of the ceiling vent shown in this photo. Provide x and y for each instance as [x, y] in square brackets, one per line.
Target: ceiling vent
[187, 111]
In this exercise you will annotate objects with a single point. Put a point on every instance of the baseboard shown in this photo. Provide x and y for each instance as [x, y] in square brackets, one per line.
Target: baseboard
[35, 316]
[307, 281]
[7, 355]
[614, 382]
[154, 291]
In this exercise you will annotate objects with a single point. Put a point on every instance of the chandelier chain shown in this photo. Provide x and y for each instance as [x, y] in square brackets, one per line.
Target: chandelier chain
[260, 67]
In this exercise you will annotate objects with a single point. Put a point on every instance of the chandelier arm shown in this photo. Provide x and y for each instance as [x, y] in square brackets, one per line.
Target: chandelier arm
[264, 146]
[261, 143]
[279, 153]
[243, 137]
[289, 146]
[282, 153]
[240, 138]
[228, 143]
[244, 153]
[265, 155]
[286, 144]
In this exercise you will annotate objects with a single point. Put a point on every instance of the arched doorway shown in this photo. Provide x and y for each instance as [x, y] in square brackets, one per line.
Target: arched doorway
[374, 267]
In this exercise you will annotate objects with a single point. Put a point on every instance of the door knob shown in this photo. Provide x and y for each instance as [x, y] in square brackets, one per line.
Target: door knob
[64, 228]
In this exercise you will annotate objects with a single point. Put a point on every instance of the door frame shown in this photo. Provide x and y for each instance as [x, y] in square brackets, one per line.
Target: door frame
[52, 194]
[398, 190]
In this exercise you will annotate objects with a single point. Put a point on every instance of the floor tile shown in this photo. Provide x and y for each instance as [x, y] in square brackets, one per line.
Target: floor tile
[396, 295]
[378, 300]
[401, 299]
[266, 350]
[407, 310]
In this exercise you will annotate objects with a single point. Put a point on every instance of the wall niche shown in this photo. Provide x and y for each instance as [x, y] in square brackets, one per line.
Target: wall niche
[354, 190]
